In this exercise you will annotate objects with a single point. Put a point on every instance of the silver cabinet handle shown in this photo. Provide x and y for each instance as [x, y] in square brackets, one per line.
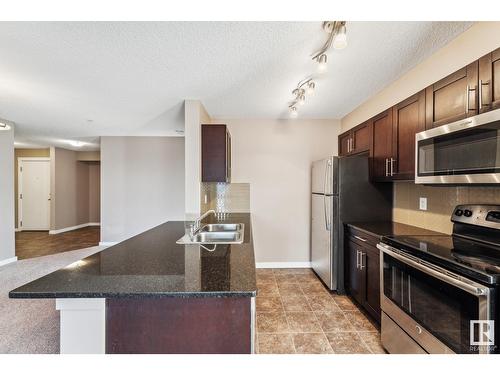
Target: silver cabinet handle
[352, 144]
[348, 145]
[386, 167]
[360, 238]
[357, 259]
[481, 84]
[392, 166]
[361, 255]
[467, 90]
[437, 272]
[467, 99]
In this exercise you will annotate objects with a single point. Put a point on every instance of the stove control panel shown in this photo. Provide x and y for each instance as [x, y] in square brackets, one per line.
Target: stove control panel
[477, 214]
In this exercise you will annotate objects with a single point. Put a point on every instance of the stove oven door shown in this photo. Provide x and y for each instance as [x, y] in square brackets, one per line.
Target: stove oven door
[441, 311]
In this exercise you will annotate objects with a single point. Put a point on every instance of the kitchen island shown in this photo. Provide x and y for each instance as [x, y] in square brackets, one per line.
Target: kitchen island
[149, 294]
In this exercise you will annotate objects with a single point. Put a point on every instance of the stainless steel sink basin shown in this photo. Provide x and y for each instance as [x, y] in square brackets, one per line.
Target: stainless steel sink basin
[221, 234]
[217, 237]
[221, 228]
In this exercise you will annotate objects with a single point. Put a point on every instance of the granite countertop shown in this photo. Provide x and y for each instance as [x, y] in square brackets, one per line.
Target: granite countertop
[391, 228]
[152, 265]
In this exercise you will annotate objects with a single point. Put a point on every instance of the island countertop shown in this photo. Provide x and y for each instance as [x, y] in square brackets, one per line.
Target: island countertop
[152, 265]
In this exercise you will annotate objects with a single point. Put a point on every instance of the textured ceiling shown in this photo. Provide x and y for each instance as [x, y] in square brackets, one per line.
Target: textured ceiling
[132, 78]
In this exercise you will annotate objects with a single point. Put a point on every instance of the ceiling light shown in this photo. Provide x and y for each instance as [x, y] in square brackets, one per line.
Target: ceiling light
[322, 61]
[76, 143]
[293, 112]
[310, 88]
[302, 99]
[340, 39]
[4, 126]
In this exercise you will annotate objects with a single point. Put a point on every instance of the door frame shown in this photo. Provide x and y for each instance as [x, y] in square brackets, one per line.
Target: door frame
[20, 160]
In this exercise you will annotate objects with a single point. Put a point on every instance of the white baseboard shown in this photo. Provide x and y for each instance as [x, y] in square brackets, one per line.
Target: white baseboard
[7, 261]
[283, 264]
[17, 230]
[67, 229]
[107, 243]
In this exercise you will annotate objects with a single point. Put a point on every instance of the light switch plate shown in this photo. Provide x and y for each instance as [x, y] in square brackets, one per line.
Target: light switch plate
[423, 203]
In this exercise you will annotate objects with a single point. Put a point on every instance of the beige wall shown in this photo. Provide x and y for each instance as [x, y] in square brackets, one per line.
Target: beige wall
[7, 242]
[88, 155]
[142, 184]
[481, 38]
[94, 192]
[194, 115]
[274, 157]
[25, 153]
[441, 200]
[74, 190]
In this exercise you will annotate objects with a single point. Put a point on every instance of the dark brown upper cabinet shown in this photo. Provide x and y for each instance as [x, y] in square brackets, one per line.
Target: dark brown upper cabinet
[355, 140]
[453, 98]
[215, 153]
[489, 82]
[381, 153]
[408, 120]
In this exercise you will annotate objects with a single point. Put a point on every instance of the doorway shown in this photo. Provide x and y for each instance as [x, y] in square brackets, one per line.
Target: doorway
[34, 194]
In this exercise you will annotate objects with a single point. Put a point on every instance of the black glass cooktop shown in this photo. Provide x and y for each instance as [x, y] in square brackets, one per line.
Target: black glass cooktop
[475, 259]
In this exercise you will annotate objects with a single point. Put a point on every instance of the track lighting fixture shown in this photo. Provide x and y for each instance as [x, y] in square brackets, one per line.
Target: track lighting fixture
[338, 39]
[4, 126]
[338, 36]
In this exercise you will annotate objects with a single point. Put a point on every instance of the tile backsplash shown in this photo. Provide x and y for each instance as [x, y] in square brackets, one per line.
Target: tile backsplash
[441, 200]
[225, 197]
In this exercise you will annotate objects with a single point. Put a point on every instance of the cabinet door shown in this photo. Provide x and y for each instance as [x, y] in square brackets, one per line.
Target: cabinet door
[344, 140]
[370, 264]
[409, 119]
[214, 153]
[361, 138]
[356, 280]
[489, 81]
[228, 157]
[382, 146]
[452, 98]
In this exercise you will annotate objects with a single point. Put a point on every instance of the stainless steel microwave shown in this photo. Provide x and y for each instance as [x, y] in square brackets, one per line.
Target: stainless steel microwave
[462, 152]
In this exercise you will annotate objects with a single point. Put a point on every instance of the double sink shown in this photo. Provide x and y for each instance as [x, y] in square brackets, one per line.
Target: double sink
[215, 234]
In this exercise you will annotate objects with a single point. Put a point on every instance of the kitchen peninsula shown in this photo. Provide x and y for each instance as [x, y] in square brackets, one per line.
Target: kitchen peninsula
[149, 294]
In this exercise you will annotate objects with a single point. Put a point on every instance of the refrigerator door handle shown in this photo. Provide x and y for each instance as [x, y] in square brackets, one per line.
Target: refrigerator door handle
[325, 181]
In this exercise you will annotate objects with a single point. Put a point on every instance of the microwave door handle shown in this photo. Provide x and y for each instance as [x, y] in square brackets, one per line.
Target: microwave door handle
[437, 272]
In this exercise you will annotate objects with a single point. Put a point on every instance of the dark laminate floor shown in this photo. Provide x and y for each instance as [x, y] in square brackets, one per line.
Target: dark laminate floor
[35, 244]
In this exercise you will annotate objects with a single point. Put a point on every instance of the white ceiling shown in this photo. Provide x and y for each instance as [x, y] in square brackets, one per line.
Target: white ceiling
[132, 78]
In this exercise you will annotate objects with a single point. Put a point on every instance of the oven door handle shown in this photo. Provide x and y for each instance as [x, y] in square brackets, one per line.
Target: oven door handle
[451, 278]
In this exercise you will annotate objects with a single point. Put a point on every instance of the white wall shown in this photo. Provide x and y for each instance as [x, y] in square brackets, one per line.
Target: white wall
[275, 157]
[7, 240]
[481, 38]
[194, 115]
[142, 184]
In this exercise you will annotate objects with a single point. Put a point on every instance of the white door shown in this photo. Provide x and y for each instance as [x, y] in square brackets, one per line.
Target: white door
[34, 194]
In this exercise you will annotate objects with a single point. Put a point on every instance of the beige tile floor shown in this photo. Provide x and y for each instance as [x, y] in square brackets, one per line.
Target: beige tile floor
[297, 314]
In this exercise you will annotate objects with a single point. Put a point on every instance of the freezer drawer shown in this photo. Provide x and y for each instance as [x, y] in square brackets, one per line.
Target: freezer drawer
[321, 238]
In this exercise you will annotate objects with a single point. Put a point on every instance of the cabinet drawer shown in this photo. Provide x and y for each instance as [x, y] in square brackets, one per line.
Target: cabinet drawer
[362, 238]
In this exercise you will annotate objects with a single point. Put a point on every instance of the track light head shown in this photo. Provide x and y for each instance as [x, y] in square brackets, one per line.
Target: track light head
[340, 39]
[322, 63]
[310, 88]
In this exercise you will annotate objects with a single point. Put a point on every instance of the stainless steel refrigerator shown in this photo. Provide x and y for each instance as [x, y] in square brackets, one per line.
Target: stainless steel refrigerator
[341, 193]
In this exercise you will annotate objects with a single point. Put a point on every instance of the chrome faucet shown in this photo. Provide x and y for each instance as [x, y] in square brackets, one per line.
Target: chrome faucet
[197, 223]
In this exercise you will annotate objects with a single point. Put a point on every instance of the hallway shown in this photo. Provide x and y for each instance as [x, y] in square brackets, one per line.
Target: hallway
[35, 244]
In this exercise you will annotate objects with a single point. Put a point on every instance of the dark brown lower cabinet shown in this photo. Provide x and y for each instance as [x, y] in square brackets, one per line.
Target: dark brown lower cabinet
[363, 272]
